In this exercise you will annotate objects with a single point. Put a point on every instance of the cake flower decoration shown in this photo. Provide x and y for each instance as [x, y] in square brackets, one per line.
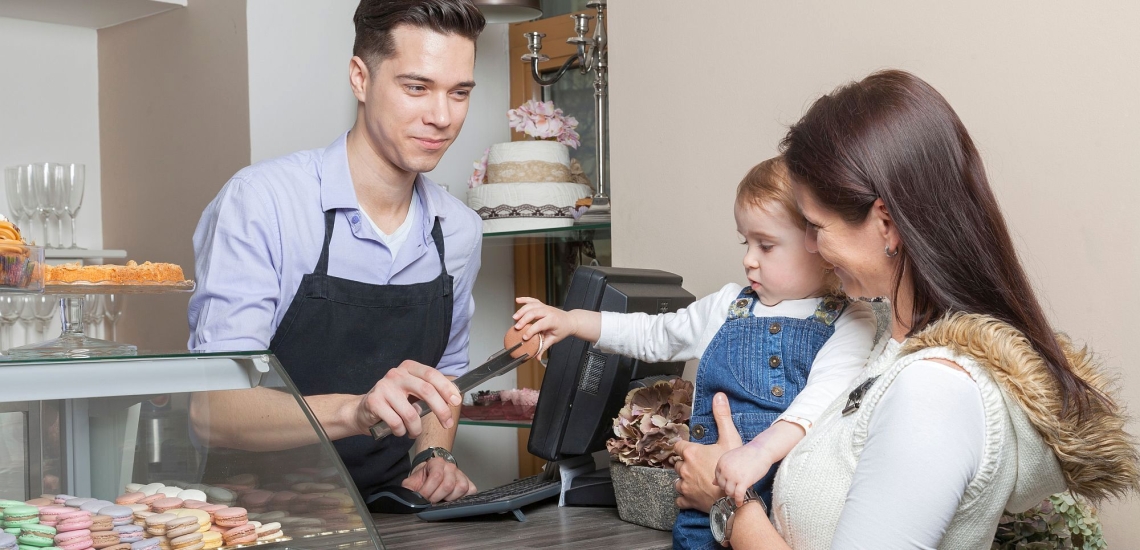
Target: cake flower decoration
[541, 120]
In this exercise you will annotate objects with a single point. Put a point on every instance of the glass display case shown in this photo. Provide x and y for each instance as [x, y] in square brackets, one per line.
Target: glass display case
[229, 427]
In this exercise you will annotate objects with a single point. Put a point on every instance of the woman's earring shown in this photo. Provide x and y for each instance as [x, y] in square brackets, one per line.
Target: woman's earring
[887, 250]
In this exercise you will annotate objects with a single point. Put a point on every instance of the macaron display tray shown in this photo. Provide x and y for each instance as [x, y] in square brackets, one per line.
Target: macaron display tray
[64, 289]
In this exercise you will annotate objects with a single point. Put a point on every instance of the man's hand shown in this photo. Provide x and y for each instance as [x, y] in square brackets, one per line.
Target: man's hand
[391, 400]
[438, 479]
[697, 486]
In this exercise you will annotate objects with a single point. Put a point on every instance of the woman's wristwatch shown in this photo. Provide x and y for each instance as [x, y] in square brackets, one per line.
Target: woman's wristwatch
[724, 511]
[430, 453]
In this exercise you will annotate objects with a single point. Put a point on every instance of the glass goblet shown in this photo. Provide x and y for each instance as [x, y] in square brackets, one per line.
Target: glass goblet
[74, 175]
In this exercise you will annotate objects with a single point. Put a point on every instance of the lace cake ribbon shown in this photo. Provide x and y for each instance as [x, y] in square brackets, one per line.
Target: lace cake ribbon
[531, 171]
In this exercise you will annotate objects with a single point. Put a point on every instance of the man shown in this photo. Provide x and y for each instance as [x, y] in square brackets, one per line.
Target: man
[352, 267]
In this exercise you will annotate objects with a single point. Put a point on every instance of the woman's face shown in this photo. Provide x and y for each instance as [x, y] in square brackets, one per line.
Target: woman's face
[856, 250]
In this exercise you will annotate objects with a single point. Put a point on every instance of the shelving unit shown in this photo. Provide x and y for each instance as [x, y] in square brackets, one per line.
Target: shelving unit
[82, 254]
[92, 14]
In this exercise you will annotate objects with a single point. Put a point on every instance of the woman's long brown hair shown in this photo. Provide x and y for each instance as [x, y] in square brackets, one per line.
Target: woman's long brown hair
[893, 136]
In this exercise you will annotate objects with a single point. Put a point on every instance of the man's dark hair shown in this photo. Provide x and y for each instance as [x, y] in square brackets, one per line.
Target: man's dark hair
[375, 19]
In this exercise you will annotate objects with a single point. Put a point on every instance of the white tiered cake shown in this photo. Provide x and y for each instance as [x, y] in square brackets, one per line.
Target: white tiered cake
[528, 187]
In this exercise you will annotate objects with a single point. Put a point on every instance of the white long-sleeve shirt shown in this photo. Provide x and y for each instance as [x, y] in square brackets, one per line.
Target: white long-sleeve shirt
[684, 335]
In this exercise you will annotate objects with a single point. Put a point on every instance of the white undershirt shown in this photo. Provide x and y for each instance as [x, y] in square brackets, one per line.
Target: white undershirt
[927, 432]
[397, 239]
[684, 335]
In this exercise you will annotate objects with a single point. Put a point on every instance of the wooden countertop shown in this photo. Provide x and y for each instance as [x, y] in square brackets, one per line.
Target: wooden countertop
[546, 526]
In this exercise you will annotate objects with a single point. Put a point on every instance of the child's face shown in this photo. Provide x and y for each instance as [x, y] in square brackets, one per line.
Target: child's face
[778, 265]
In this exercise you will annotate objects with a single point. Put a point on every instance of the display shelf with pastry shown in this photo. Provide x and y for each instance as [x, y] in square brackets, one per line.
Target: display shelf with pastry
[74, 281]
[21, 265]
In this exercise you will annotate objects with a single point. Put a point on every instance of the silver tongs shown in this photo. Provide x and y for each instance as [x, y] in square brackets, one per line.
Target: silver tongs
[499, 364]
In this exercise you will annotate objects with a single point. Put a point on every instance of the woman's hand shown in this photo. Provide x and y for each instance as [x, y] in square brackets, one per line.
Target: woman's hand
[555, 324]
[697, 468]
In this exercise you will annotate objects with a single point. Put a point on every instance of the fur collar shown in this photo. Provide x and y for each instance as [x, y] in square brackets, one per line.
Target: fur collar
[1097, 457]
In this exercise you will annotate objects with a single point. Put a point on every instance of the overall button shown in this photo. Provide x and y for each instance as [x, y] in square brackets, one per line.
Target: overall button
[699, 431]
[777, 391]
[774, 328]
[774, 361]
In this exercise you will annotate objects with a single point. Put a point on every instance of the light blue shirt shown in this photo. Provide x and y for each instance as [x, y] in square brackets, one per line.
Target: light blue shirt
[264, 232]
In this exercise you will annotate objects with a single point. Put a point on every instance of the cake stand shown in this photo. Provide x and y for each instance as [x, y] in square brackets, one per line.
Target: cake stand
[72, 342]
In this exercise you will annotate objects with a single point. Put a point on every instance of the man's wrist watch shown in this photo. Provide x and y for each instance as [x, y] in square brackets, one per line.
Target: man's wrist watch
[430, 453]
[723, 512]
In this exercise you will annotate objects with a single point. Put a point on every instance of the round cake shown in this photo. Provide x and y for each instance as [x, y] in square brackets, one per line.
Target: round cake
[528, 187]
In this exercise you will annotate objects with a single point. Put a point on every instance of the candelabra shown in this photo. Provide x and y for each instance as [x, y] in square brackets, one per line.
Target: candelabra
[591, 56]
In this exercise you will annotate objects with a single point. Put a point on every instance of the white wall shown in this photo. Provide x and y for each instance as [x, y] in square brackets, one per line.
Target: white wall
[299, 98]
[49, 109]
[1047, 90]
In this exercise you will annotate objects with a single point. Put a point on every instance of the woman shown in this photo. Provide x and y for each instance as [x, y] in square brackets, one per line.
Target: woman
[974, 405]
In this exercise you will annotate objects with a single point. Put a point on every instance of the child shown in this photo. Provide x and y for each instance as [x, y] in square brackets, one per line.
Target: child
[757, 344]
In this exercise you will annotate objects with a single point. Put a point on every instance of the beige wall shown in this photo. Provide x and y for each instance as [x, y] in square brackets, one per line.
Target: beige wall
[1048, 91]
[174, 126]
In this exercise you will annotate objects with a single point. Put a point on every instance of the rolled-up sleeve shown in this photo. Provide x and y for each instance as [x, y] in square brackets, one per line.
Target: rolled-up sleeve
[237, 251]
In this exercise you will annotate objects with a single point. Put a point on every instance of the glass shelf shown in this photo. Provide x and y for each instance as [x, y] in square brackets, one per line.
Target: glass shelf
[550, 232]
[496, 423]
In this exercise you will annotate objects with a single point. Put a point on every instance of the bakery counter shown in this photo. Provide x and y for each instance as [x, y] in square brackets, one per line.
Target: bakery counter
[145, 442]
[547, 526]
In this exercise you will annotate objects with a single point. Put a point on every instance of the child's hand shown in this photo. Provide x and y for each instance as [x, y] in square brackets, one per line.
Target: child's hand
[741, 468]
[553, 323]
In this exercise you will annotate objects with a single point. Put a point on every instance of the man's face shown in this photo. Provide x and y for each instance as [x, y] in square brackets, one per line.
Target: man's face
[416, 100]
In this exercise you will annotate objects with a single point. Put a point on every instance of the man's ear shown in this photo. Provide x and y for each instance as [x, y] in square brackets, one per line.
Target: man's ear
[885, 224]
[358, 78]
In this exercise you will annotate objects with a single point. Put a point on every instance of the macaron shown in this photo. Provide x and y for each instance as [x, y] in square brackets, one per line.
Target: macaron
[77, 520]
[145, 544]
[77, 501]
[170, 490]
[14, 531]
[156, 524]
[21, 515]
[211, 540]
[181, 526]
[165, 504]
[150, 488]
[192, 541]
[95, 505]
[104, 539]
[191, 494]
[120, 546]
[140, 517]
[137, 507]
[49, 515]
[5, 504]
[36, 535]
[219, 495]
[129, 498]
[241, 534]
[204, 519]
[130, 533]
[269, 531]
[62, 499]
[74, 540]
[231, 517]
[272, 516]
[100, 522]
[120, 515]
[132, 487]
[8, 541]
[40, 502]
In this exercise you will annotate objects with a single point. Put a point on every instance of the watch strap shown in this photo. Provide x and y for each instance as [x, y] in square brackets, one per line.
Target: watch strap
[430, 453]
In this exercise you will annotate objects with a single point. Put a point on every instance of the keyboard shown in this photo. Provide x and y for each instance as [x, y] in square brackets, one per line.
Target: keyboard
[500, 500]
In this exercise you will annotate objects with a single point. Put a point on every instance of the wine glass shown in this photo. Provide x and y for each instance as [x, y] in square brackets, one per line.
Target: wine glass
[57, 195]
[93, 312]
[27, 197]
[11, 180]
[26, 316]
[43, 182]
[10, 307]
[113, 304]
[43, 309]
[74, 175]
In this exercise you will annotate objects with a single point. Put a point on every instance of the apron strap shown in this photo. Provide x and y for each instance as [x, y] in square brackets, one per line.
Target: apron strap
[437, 236]
[323, 263]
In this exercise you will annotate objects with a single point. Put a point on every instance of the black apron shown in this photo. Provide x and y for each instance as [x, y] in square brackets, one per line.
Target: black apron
[342, 336]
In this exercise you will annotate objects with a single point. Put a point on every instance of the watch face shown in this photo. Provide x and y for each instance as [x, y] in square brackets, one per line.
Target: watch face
[718, 520]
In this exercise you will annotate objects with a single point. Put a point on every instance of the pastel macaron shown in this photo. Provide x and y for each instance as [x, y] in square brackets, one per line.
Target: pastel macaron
[150, 488]
[77, 501]
[242, 534]
[170, 490]
[269, 531]
[211, 540]
[36, 535]
[191, 494]
[49, 515]
[104, 539]
[130, 533]
[181, 526]
[40, 502]
[7, 541]
[120, 515]
[74, 540]
[165, 504]
[75, 521]
[100, 522]
[231, 517]
[146, 544]
[129, 498]
[156, 524]
[21, 515]
[192, 541]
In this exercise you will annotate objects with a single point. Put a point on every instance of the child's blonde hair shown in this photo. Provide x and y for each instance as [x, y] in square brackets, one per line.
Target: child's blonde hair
[769, 182]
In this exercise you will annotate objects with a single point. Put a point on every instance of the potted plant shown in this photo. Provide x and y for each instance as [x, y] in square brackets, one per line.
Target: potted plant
[653, 420]
[1061, 521]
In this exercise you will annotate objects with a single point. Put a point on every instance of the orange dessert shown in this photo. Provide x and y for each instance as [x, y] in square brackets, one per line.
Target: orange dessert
[18, 267]
[130, 274]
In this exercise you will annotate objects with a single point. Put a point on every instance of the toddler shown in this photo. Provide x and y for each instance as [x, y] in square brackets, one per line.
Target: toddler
[782, 348]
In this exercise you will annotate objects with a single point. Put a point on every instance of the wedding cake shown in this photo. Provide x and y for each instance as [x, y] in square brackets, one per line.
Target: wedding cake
[529, 185]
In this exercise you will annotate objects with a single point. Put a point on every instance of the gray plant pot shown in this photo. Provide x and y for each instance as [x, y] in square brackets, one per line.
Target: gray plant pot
[645, 495]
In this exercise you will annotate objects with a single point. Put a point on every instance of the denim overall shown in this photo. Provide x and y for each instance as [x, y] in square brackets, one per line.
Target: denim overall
[761, 364]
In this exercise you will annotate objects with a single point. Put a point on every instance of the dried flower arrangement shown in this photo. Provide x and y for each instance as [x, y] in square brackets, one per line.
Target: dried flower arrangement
[653, 420]
[1062, 521]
